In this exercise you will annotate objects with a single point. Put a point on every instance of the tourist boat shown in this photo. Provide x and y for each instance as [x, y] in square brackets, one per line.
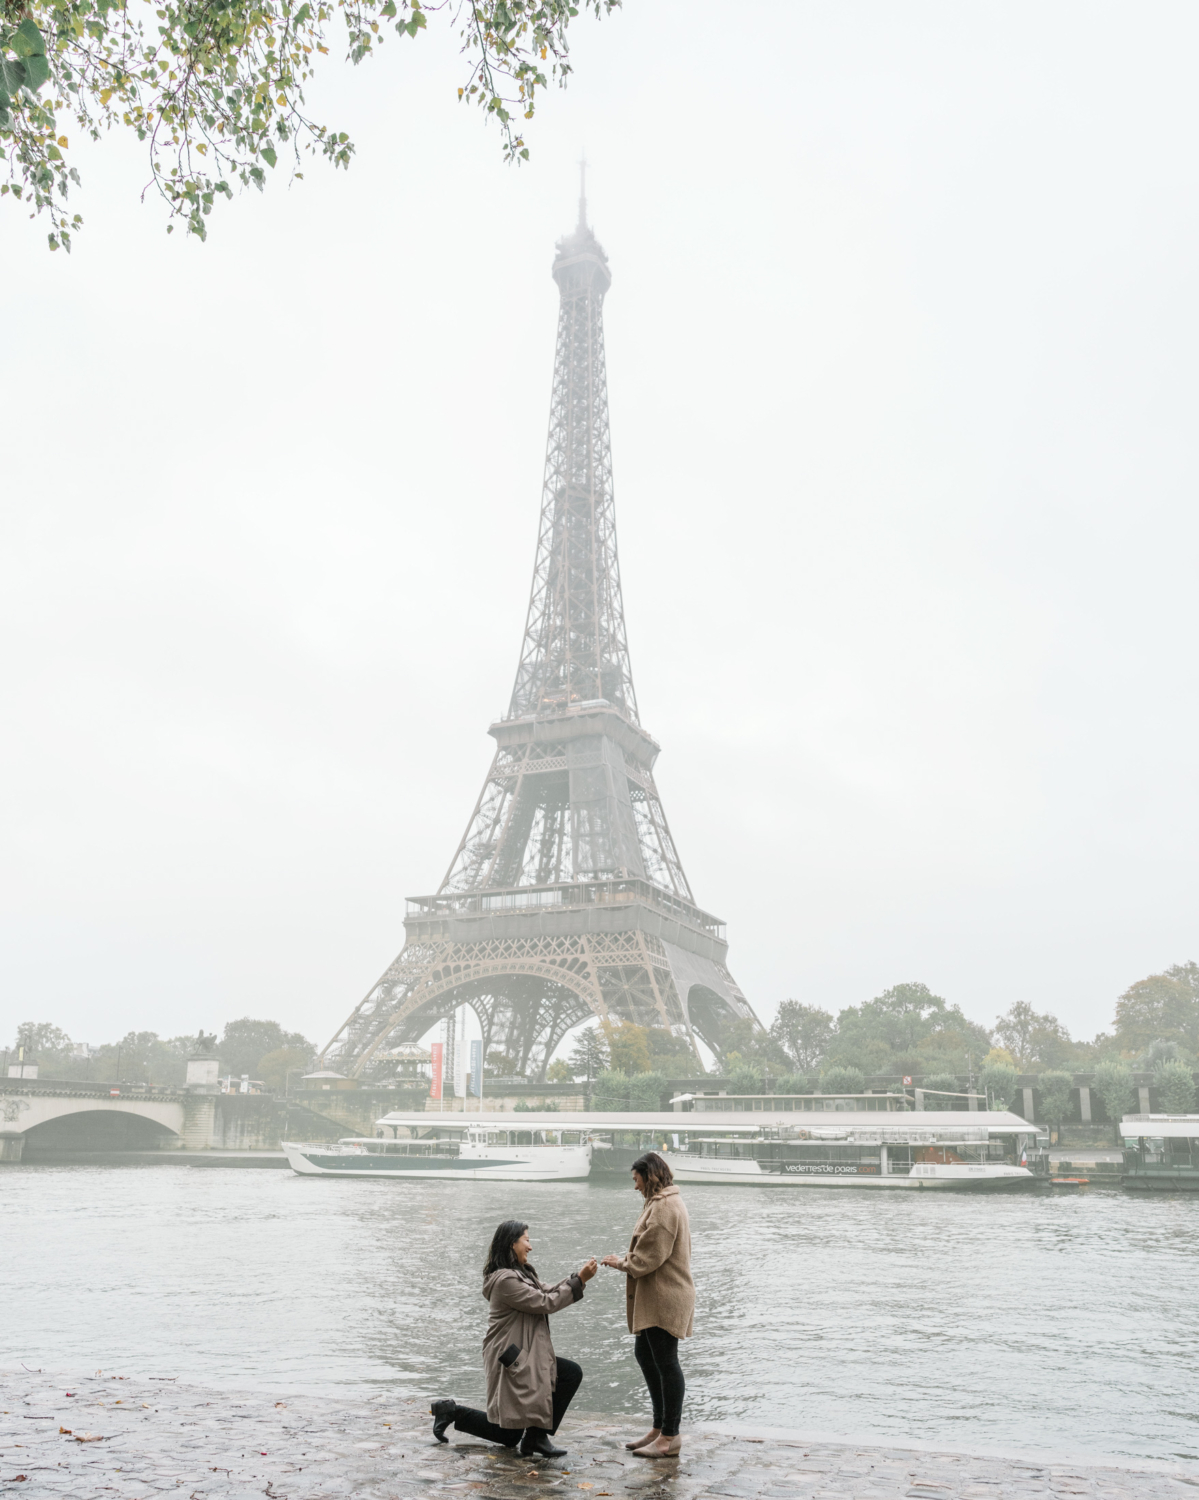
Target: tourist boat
[426, 1145]
[1161, 1152]
[926, 1149]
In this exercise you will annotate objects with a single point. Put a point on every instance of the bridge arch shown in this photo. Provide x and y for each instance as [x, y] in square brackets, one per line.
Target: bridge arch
[44, 1121]
[98, 1130]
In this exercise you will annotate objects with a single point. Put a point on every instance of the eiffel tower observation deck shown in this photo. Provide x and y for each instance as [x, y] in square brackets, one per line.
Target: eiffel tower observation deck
[566, 898]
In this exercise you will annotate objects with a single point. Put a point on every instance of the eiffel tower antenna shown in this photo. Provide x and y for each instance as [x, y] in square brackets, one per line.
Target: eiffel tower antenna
[566, 898]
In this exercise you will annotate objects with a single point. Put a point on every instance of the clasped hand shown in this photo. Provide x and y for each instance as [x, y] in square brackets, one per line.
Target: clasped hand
[588, 1269]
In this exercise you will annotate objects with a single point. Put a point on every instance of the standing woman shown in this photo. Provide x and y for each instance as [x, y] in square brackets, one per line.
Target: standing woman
[528, 1386]
[660, 1299]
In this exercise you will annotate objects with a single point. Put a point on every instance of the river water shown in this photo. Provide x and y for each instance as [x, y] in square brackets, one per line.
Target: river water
[1067, 1324]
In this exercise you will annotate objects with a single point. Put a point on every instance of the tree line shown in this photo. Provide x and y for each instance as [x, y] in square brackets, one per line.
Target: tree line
[263, 1049]
[907, 1030]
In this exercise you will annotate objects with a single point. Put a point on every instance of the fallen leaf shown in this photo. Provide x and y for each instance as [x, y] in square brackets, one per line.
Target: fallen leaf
[586, 1485]
[67, 1430]
[89, 1437]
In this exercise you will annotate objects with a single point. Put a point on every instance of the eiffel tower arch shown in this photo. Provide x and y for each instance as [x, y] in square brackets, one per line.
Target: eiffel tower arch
[566, 897]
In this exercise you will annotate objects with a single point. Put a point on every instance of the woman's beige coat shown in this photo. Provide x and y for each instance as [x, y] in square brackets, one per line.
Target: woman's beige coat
[522, 1394]
[659, 1292]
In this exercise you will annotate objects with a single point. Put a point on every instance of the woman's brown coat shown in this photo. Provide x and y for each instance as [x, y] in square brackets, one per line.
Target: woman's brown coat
[522, 1394]
[659, 1292]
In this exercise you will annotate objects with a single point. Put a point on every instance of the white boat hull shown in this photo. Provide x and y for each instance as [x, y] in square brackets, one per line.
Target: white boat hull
[954, 1177]
[470, 1163]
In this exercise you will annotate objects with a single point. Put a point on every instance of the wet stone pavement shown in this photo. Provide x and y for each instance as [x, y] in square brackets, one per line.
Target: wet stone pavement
[110, 1436]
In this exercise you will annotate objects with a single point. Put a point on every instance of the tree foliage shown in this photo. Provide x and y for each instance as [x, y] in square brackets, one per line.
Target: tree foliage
[1033, 1037]
[1113, 1084]
[907, 1029]
[745, 1042]
[942, 1085]
[1175, 1085]
[1054, 1088]
[804, 1033]
[247, 1042]
[617, 1090]
[1162, 1007]
[999, 1083]
[279, 1069]
[628, 1047]
[589, 1056]
[138, 1057]
[216, 88]
[742, 1077]
[842, 1080]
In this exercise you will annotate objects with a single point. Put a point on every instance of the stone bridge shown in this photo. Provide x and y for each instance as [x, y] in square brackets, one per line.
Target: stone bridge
[42, 1119]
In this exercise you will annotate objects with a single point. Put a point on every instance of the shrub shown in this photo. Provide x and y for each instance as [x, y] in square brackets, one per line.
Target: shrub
[1175, 1085]
[999, 1084]
[1054, 1087]
[743, 1079]
[946, 1083]
[841, 1080]
[611, 1090]
[1113, 1084]
[646, 1091]
[796, 1083]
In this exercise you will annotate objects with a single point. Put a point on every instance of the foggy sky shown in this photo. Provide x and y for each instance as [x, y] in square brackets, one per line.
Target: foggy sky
[901, 361]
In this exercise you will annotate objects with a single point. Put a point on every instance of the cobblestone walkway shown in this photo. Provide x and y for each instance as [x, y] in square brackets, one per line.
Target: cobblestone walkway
[113, 1437]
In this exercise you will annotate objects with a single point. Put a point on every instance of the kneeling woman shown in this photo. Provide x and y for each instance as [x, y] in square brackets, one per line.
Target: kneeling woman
[528, 1386]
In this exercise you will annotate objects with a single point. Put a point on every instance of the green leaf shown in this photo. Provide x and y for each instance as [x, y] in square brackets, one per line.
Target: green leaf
[53, 153]
[27, 40]
[268, 155]
[37, 70]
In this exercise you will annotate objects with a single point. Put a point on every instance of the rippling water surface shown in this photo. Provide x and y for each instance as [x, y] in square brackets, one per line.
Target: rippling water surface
[1061, 1323]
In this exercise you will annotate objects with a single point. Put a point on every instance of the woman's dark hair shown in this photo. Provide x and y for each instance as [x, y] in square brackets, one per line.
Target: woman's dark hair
[500, 1256]
[654, 1171]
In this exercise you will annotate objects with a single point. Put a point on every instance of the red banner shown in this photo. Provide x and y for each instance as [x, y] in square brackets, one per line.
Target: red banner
[438, 1050]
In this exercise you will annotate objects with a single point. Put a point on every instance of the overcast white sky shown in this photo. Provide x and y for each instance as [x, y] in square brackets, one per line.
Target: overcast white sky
[902, 365]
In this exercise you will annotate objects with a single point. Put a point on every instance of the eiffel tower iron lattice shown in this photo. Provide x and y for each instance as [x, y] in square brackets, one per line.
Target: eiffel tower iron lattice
[566, 898]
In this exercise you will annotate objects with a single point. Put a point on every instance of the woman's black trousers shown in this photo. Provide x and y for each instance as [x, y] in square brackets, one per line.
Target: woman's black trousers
[570, 1378]
[657, 1353]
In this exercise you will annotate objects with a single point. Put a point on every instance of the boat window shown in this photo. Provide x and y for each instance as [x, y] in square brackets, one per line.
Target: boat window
[523, 1137]
[571, 1137]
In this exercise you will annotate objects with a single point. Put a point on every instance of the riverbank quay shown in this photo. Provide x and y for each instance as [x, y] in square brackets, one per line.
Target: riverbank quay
[272, 1160]
[110, 1436]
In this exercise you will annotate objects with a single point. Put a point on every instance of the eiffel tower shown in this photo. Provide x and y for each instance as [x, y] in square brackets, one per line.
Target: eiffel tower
[566, 898]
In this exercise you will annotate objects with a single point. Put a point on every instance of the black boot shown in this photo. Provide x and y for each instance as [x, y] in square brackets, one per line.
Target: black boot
[443, 1414]
[536, 1443]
